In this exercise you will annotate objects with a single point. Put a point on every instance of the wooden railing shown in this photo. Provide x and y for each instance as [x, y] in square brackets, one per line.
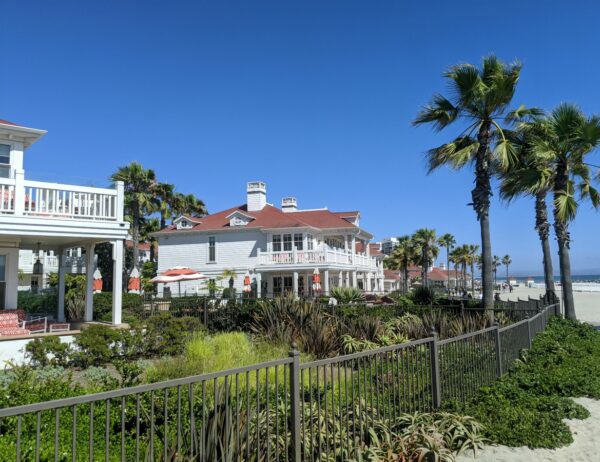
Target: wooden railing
[316, 257]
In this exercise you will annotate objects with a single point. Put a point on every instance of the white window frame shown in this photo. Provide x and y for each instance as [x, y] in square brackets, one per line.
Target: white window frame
[214, 247]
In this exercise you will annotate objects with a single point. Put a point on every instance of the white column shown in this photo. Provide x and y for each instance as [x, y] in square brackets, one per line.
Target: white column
[367, 249]
[354, 279]
[62, 253]
[347, 278]
[19, 191]
[326, 282]
[89, 281]
[368, 282]
[12, 278]
[258, 285]
[295, 283]
[117, 293]
[341, 279]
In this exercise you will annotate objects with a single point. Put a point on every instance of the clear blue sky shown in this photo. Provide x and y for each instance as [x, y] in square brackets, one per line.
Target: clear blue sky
[313, 97]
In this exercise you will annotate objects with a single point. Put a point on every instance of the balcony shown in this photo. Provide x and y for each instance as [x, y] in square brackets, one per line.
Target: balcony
[317, 257]
[37, 199]
[73, 264]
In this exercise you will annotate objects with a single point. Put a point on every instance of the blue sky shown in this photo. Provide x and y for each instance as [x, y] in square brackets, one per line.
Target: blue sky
[313, 97]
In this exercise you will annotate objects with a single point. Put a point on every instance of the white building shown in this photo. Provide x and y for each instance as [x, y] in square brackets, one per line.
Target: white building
[279, 247]
[74, 263]
[53, 217]
[389, 244]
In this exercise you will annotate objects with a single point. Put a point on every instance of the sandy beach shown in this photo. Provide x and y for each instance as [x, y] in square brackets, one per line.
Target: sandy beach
[587, 304]
[585, 447]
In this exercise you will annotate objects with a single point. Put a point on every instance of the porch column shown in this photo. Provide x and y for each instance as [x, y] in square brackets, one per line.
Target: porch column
[117, 293]
[347, 278]
[62, 253]
[258, 285]
[341, 279]
[326, 282]
[89, 281]
[354, 279]
[11, 274]
[367, 248]
[368, 282]
[295, 283]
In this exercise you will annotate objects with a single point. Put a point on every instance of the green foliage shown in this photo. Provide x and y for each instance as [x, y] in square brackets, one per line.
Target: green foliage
[97, 345]
[131, 304]
[423, 295]
[46, 351]
[527, 406]
[346, 295]
[167, 335]
[43, 303]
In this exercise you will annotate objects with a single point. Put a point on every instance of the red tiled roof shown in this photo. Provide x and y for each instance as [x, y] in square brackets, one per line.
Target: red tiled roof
[269, 217]
[6, 122]
[145, 246]
[392, 274]
[374, 249]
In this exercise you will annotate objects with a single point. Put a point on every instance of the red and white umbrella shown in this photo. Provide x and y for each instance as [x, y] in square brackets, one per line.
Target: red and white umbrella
[316, 286]
[134, 285]
[97, 283]
[247, 283]
[178, 274]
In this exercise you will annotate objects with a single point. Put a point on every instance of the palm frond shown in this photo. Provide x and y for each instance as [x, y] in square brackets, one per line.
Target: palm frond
[465, 83]
[456, 154]
[565, 205]
[523, 113]
[440, 112]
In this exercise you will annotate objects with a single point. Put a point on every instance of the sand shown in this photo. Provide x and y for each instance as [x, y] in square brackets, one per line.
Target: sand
[585, 447]
[587, 304]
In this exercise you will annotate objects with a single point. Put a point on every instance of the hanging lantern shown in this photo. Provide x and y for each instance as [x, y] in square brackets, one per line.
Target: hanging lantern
[38, 266]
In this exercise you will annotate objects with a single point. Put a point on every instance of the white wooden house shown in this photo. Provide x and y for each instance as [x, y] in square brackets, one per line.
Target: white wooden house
[43, 217]
[278, 247]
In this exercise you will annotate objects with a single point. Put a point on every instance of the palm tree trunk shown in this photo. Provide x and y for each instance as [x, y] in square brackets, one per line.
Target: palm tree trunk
[448, 266]
[473, 279]
[481, 204]
[561, 229]
[543, 228]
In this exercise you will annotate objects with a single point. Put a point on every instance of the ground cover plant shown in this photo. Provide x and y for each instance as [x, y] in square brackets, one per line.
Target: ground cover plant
[527, 406]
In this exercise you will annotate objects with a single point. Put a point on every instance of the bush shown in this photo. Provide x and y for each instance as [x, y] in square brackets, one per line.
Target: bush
[526, 407]
[132, 303]
[44, 303]
[167, 335]
[97, 345]
[47, 351]
[346, 295]
[423, 295]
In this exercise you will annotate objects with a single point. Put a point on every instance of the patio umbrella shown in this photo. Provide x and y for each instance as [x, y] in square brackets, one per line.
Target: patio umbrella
[178, 274]
[97, 284]
[133, 285]
[247, 283]
[316, 281]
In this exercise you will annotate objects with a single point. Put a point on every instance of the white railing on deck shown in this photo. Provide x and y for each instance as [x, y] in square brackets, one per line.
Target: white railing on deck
[7, 195]
[58, 200]
[316, 257]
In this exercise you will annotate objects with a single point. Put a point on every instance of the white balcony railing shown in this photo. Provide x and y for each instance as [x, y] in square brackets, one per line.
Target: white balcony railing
[73, 264]
[316, 257]
[20, 197]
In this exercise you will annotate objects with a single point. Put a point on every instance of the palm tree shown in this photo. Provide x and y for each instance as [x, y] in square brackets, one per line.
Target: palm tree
[568, 137]
[495, 265]
[447, 240]
[506, 261]
[147, 227]
[425, 243]
[164, 197]
[481, 98]
[138, 184]
[472, 258]
[455, 258]
[532, 176]
[403, 256]
[189, 204]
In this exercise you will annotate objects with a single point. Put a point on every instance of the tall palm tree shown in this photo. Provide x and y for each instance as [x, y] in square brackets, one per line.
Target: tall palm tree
[448, 241]
[425, 243]
[404, 256]
[506, 261]
[568, 137]
[138, 184]
[455, 258]
[481, 99]
[495, 265]
[473, 257]
[189, 204]
[147, 227]
[532, 176]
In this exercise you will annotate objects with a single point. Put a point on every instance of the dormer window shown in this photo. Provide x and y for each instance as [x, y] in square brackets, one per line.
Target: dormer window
[184, 224]
[4, 161]
[239, 218]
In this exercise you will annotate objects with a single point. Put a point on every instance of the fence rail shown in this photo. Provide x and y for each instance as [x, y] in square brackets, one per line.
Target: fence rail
[281, 410]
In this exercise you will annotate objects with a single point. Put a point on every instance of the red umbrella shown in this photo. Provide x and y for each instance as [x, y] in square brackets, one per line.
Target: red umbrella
[97, 283]
[247, 283]
[134, 285]
[178, 274]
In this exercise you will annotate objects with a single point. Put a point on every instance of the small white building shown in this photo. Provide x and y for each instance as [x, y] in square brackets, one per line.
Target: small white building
[280, 248]
[51, 218]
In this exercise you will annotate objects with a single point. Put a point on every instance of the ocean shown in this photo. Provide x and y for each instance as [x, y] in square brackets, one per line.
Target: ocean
[581, 282]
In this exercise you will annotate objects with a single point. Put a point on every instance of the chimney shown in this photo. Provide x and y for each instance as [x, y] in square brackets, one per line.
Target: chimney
[289, 204]
[257, 196]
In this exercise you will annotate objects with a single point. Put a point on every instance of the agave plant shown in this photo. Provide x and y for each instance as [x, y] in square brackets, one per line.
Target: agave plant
[346, 295]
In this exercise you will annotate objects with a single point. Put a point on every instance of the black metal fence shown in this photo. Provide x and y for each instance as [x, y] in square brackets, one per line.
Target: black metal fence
[281, 410]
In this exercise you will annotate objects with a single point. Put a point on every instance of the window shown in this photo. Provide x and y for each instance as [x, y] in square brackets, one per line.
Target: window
[4, 161]
[309, 242]
[287, 242]
[212, 251]
[288, 284]
[277, 285]
[298, 245]
[276, 243]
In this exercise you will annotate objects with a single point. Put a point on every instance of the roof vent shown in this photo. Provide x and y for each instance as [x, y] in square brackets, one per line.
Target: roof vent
[289, 204]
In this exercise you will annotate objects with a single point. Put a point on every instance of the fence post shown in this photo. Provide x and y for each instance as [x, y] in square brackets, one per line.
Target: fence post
[295, 402]
[498, 350]
[436, 393]
[529, 330]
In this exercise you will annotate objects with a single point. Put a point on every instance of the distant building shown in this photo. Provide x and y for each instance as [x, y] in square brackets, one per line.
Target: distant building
[389, 244]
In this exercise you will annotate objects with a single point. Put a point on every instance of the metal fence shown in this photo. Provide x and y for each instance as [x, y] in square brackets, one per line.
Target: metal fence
[281, 410]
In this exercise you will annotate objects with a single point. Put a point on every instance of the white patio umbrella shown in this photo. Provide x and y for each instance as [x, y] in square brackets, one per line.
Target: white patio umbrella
[178, 274]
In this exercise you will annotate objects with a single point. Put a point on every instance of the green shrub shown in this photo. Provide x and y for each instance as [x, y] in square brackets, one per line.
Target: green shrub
[346, 295]
[97, 345]
[167, 335]
[43, 303]
[527, 406]
[46, 351]
[131, 304]
[423, 295]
